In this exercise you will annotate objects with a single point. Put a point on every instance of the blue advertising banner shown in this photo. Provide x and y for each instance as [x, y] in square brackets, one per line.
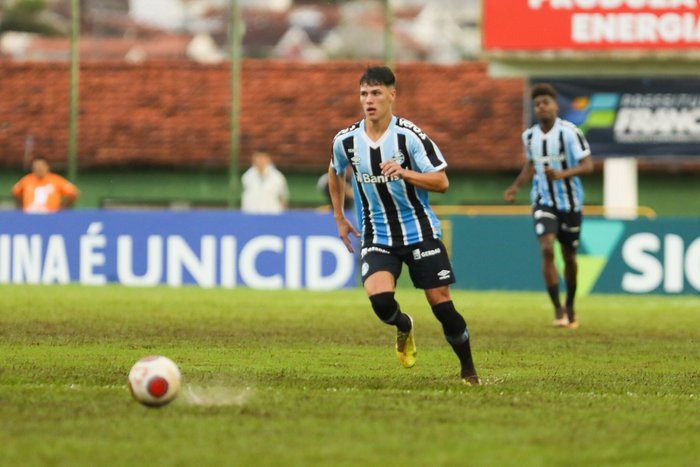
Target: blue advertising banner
[660, 256]
[209, 249]
[633, 117]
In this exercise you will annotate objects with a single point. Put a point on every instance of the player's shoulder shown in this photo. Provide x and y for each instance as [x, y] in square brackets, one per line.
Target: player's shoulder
[58, 179]
[346, 131]
[25, 180]
[404, 123]
[529, 132]
[569, 126]
[30, 177]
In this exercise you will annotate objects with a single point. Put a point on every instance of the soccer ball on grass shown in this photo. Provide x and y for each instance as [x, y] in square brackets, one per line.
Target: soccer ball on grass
[154, 380]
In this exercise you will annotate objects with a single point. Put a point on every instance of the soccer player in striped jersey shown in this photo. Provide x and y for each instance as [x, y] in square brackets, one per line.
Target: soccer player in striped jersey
[395, 165]
[557, 153]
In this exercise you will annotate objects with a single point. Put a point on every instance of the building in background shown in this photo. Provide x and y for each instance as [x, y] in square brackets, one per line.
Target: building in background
[441, 31]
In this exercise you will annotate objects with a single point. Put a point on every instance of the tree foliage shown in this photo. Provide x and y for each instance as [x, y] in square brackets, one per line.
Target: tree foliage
[25, 16]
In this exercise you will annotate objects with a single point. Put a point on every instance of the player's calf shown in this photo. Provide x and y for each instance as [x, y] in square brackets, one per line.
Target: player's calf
[457, 335]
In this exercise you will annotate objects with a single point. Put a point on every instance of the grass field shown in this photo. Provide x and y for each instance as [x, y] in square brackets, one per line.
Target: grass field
[301, 378]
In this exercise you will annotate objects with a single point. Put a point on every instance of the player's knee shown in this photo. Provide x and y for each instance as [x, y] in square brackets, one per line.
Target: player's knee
[547, 251]
[453, 324]
[384, 306]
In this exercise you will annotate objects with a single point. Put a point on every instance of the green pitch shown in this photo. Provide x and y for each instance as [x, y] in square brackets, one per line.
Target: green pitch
[301, 378]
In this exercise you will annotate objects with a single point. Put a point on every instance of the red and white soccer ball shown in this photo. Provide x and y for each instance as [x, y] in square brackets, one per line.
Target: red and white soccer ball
[154, 380]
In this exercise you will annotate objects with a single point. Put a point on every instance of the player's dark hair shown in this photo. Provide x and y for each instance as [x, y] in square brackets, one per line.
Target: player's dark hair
[39, 158]
[543, 89]
[378, 75]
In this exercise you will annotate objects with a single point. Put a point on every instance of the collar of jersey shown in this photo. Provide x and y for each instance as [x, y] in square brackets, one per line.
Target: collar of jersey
[376, 144]
[556, 125]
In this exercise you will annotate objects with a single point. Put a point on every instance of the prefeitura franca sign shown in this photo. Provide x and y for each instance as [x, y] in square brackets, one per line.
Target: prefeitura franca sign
[633, 117]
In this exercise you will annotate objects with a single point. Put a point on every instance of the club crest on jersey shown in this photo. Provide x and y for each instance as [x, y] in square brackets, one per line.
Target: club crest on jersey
[399, 157]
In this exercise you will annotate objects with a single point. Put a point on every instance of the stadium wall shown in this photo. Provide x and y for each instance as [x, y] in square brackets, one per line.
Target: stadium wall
[176, 114]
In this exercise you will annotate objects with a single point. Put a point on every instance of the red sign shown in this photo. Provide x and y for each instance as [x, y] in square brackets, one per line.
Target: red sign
[591, 24]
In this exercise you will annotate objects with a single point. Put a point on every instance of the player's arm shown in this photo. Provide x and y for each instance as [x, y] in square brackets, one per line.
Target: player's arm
[284, 192]
[525, 174]
[584, 167]
[18, 194]
[349, 194]
[70, 195]
[431, 181]
[336, 189]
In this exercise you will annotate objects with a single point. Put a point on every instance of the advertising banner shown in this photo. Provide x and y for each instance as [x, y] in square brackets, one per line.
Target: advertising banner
[660, 256]
[633, 117]
[590, 24]
[208, 249]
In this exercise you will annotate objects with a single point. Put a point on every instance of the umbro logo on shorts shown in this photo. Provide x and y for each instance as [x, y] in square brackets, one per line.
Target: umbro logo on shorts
[444, 274]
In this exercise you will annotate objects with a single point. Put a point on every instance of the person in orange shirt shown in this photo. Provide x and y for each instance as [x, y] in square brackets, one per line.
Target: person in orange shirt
[43, 191]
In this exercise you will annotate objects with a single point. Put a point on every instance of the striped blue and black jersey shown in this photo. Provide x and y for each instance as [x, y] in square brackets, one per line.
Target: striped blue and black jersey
[390, 211]
[562, 147]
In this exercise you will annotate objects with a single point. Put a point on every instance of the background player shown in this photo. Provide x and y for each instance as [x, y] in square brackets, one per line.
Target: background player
[265, 189]
[395, 165]
[557, 153]
[42, 191]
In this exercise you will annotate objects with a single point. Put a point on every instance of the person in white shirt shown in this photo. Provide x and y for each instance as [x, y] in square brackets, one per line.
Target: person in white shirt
[264, 187]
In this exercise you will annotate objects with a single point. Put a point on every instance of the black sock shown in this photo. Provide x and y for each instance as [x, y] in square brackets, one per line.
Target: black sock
[403, 322]
[456, 334]
[464, 353]
[553, 291]
[570, 293]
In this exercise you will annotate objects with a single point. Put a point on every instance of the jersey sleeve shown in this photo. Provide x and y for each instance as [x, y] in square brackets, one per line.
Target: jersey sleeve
[339, 160]
[66, 188]
[424, 153]
[578, 146]
[18, 188]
